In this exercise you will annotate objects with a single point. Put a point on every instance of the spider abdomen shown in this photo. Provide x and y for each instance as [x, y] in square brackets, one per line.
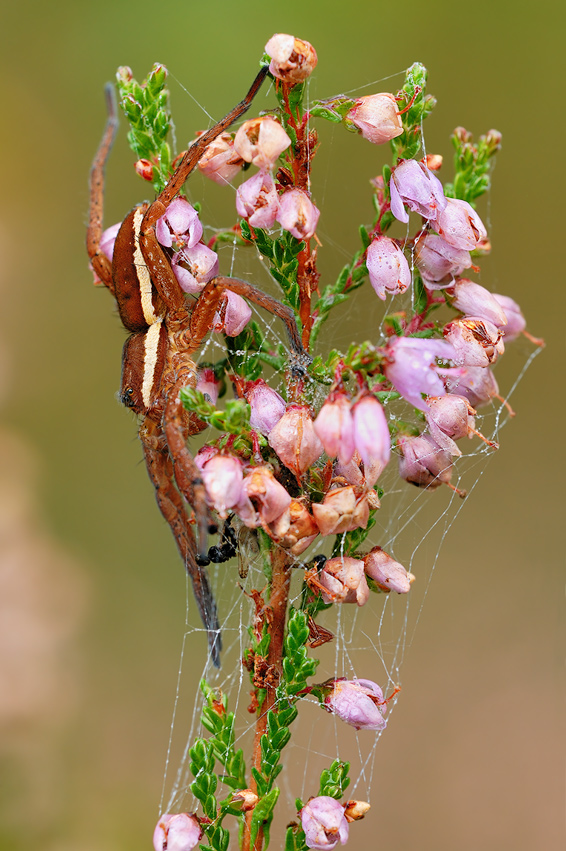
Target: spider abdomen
[143, 362]
[139, 304]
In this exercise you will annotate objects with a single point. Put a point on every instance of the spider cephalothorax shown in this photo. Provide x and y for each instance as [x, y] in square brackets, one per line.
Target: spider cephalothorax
[165, 333]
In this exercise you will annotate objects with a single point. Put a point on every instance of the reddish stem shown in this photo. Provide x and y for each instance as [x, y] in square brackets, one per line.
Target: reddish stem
[279, 596]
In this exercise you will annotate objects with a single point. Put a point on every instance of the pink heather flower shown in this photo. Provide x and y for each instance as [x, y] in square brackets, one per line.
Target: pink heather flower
[108, 239]
[359, 703]
[324, 823]
[179, 224]
[356, 473]
[476, 341]
[345, 580]
[294, 439]
[223, 479]
[233, 315]
[294, 529]
[341, 510]
[292, 60]
[257, 200]
[377, 117]
[412, 369]
[267, 406]
[474, 300]
[387, 573]
[459, 224]
[476, 383]
[208, 384]
[334, 426]
[266, 494]
[516, 322]
[261, 141]
[371, 432]
[177, 832]
[220, 162]
[423, 462]
[413, 184]
[438, 262]
[297, 214]
[387, 266]
[450, 418]
[194, 267]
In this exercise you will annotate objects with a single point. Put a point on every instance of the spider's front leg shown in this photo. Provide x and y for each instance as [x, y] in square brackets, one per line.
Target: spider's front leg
[160, 469]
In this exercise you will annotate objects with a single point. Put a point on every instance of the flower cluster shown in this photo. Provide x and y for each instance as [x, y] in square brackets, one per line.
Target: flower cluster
[297, 456]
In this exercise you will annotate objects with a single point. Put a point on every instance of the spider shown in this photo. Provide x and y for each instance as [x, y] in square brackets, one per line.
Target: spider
[166, 329]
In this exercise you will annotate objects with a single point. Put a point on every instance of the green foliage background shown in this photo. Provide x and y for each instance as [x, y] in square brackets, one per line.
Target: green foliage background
[470, 759]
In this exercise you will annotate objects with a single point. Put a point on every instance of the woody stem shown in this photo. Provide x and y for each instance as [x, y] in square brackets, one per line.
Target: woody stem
[279, 597]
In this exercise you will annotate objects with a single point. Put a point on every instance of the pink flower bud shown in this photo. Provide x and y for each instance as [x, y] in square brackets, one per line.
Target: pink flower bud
[371, 432]
[345, 580]
[267, 406]
[324, 823]
[516, 322]
[387, 573]
[145, 169]
[474, 300]
[292, 60]
[179, 224]
[361, 475]
[377, 117]
[450, 418]
[257, 200]
[223, 479]
[266, 494]
[177, 832]
[387, 266]
[208, 384]
[359, 703]
[341, 510]
[459, 224]
[476, 383]
[233, 315]
[476, 341]
[423, 463]
[412, 369]
[220, 161]
[414, 185]
[297, 214]
[261, 141]
[335, 427]
[438, 262]
[194, 267]
[294, 439]
[108, 239]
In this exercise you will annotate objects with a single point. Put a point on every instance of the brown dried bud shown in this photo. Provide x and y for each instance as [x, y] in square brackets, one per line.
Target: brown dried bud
[356, 810]
[246, 798]
[145, 169]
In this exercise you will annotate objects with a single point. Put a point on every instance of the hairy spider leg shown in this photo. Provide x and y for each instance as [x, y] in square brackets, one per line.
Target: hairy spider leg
[160, 469]
[100, 263]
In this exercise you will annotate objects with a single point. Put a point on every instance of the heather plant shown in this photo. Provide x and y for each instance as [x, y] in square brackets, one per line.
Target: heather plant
[295, 458]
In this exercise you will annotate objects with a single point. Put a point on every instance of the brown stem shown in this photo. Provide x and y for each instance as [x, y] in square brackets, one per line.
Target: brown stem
[279, 596]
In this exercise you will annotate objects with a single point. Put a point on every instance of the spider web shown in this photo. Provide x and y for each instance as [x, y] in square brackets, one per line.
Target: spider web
[371, 642]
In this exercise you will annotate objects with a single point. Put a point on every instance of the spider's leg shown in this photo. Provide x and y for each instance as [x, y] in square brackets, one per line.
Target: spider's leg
[100, 263]
[209, 301]
[160, 469]
[187, 474]
[161, 273]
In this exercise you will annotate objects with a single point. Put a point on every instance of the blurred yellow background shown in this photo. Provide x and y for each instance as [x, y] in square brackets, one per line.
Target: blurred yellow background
[92, 600]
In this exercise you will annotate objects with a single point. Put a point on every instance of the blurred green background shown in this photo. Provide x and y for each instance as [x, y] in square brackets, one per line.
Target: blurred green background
[92, 597]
